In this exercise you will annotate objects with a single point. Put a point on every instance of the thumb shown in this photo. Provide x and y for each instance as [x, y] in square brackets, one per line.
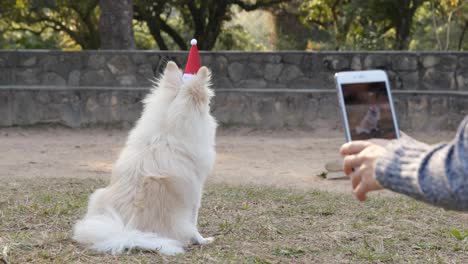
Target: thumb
[361, 191]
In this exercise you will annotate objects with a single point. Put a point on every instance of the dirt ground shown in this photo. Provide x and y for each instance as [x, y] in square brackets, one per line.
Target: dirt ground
[244, 156]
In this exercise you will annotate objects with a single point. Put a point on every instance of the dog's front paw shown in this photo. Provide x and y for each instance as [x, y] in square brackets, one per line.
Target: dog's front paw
[202, 241]
[208, 240]
[172, 249]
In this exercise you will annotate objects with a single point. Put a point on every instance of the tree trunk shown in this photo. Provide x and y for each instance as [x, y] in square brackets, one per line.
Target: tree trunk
[462, 36]
[403, 24]
[404, 21]
[213, 27]
[116, 25]
[403, 34]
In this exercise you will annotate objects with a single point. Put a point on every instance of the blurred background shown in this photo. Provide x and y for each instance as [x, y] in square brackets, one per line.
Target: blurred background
[249, 25]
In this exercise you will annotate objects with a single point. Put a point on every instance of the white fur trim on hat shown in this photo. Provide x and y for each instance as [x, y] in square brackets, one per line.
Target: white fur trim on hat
[186, 76]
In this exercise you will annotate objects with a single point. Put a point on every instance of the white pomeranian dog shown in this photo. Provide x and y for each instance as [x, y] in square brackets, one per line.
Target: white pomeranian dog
[370, 121]
[155, 191]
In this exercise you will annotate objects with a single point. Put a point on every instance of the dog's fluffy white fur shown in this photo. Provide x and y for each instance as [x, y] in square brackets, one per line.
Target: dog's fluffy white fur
[155, 191]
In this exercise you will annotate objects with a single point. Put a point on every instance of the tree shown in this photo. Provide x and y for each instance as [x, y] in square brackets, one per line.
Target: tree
[367, 24]
[76, 20]
[335, 16]
[204, 19]
[116, 24]
[397, 15]
[156, 14]
[170, 24]
[441, 25]
[454, 12]
[291, 32]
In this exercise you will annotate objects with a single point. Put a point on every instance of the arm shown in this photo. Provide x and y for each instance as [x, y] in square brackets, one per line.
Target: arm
[434, 174]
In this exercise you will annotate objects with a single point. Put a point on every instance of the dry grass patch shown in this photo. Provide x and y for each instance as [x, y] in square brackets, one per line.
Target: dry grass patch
[251, 225]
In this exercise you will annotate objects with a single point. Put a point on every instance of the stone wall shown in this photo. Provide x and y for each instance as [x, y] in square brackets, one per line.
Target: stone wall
[267, 90]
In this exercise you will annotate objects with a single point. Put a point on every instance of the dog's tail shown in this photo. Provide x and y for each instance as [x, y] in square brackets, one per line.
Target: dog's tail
[108, 233]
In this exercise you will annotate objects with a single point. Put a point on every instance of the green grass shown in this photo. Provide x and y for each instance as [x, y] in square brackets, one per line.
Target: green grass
[251, 225]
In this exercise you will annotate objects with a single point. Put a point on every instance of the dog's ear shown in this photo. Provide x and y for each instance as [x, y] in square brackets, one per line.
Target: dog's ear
[172, 74]
[198, 88]
[204, 74]
[171, 67]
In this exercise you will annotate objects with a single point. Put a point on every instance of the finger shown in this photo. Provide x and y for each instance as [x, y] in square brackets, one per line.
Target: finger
[356, 177]
[361, 191]
[354, 147]
[350, 162]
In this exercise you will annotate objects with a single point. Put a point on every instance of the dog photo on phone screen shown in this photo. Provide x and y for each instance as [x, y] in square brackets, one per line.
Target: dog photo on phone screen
[368, 111]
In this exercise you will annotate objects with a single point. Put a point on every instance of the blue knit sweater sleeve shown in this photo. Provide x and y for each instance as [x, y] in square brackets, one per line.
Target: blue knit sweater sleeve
[435, 174]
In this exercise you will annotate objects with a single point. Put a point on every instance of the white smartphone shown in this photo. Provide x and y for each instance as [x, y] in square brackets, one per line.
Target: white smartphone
[367, 105]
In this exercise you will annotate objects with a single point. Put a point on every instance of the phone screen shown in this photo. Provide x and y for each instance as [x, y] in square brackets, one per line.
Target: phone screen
[368, 111]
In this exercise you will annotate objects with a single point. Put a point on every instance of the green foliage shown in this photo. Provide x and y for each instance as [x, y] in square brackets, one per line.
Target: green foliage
[460, 235]
[67, 24]
[335, 17]
[177, 21]
[143, 38]
[230, 24]
[441, 26]
[388, 24]
[323, 175]
[235, 37]
[26, 39]
[256, 30]
[353, 24]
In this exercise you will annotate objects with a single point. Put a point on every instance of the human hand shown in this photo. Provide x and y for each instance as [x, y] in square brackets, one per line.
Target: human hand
[361, 156]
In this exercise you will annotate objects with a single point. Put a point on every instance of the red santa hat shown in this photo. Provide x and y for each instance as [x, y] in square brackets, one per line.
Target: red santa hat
[193, 62]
